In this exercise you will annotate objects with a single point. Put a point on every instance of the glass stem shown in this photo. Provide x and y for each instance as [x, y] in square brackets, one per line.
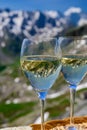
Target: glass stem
[72, 101]
[42, 113]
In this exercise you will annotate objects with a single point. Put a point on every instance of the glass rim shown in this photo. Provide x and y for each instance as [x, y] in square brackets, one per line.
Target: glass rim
[74, 37]
[49, 39]
[42, 39]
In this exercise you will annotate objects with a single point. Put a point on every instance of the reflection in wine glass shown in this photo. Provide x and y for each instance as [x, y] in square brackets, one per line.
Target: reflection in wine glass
[41, 64]
[74, 65]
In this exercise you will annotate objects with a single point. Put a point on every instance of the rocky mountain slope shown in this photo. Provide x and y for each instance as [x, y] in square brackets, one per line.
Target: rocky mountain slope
[17, 25]
[36, 23]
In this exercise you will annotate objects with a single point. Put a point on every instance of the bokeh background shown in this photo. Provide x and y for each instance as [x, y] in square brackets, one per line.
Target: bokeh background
[36, 19]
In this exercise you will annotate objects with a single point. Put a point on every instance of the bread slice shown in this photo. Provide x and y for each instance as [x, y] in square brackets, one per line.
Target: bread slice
[80, 123]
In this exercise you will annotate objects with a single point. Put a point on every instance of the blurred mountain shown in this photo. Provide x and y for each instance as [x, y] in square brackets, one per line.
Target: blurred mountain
[17, 25]
[76, 16]
[78, 31]
[37, 23]
[32, 23]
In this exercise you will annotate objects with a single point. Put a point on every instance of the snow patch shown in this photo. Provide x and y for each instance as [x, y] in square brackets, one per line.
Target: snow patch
[72, 10]
[82, 21]
[37, 14]
[52, 14]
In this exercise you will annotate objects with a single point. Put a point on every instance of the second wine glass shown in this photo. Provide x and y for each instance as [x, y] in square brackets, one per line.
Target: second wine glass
[41, 64]
[74, 66]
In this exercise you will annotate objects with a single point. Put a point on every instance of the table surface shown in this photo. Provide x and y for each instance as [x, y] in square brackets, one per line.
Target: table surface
[17, 128]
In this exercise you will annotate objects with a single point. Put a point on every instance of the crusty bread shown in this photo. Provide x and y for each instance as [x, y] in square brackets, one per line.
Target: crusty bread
[80, 122]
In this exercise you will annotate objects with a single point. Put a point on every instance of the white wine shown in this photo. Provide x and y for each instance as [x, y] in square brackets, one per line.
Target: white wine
[74, 68]
[42, 71]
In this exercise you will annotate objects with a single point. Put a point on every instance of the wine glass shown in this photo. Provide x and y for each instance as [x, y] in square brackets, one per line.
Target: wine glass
[74, 66]
[41, 64]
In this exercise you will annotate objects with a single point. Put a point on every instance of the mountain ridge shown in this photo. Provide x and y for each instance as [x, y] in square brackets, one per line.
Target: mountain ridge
[35, 25]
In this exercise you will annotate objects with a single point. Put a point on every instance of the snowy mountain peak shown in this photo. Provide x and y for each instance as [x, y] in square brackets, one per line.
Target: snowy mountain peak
[52, 14]
[72, 10]
[76, 16]
[33, 24]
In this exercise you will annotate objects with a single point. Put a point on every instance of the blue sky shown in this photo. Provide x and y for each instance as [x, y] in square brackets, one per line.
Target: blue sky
[60, 5]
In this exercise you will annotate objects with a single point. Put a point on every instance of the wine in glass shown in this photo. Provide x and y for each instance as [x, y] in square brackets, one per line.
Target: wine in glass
[74, 65]
[41, 64]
